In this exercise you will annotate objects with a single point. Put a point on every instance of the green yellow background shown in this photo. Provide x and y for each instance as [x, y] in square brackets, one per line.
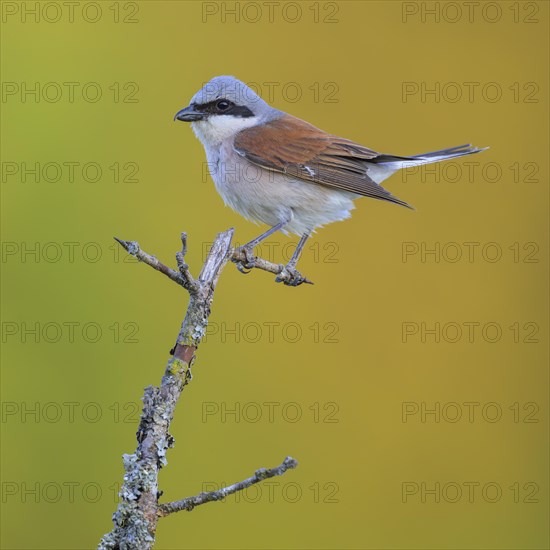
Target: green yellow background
[353, 366]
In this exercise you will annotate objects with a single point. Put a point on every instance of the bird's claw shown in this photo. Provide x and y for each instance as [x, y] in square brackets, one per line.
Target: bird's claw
[242, 268]
[250, 261]
[290, 276]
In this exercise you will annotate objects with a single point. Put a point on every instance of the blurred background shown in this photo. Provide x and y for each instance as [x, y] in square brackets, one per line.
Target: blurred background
[410, 382]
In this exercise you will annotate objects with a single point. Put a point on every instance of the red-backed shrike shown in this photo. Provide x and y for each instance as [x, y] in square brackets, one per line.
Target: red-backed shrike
[279, 170]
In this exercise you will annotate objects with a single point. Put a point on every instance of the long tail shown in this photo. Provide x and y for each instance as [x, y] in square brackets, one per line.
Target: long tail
[395, 163]
[383, 166]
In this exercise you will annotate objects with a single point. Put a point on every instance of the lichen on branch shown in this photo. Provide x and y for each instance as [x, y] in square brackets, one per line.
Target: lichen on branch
[136, 517]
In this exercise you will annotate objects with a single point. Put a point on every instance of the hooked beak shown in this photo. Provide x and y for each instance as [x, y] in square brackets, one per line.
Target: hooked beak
[189, 114]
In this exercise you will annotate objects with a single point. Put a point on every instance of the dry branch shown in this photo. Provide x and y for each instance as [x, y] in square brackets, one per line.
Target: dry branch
[190, 503]
[135, 520]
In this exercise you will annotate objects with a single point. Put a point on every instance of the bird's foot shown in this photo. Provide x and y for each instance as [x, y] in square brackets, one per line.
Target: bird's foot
[249, 262]
[290, 276]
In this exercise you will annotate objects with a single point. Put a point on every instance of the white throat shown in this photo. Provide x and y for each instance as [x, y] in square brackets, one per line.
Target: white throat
[215, 129]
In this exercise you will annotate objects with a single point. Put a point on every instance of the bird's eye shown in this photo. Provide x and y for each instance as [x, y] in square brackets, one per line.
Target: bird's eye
[223, 105]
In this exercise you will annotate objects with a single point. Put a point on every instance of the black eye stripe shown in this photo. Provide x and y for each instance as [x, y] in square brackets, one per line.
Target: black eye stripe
[234, 110]
[239, 110]
[210, 107]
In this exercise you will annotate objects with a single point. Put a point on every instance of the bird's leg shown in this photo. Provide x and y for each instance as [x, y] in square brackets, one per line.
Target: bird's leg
[248, 248]
[298, 250]
[290, 275]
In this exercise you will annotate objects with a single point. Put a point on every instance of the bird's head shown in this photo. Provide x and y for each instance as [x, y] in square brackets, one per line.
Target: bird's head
[222, 108]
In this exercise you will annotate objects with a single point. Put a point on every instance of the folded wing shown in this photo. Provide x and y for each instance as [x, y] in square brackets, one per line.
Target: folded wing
[292, 146]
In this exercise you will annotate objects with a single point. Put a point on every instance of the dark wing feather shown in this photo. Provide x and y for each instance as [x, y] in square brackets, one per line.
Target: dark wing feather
[312, 155]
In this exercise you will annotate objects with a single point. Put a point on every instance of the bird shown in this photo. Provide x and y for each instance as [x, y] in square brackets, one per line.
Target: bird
[274, 168]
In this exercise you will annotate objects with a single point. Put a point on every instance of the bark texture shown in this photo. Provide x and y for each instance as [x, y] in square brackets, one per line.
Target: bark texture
[138, 512]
